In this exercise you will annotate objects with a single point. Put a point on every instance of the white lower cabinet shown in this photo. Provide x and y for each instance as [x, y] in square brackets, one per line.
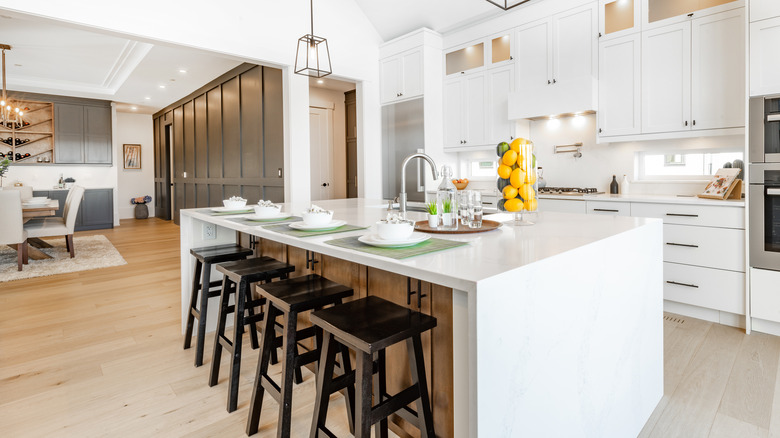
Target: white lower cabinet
[705, 287]
[609, 208]
[765, 294]
[720, 248]
[562, 206]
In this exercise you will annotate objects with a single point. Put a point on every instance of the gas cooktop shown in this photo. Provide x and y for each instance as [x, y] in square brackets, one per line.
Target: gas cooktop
[571, 191]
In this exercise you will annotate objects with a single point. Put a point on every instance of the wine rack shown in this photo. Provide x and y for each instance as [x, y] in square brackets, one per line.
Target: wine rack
[32, 141]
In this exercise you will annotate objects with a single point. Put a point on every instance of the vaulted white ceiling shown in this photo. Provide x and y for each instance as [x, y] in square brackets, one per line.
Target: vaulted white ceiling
[54, 58]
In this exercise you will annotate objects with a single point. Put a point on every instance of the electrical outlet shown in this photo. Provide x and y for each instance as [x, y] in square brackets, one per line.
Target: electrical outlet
[209, 231]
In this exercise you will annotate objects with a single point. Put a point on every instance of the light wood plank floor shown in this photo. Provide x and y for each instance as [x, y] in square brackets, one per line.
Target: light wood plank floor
[98, 353]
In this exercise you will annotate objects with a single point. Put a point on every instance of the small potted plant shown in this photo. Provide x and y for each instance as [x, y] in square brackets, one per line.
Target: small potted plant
[141, 210]
[447, 213]
[433, 217]
[69, 182]
[3, 170]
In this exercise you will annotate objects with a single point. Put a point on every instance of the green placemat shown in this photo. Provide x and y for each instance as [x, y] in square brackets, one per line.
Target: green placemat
[431, 245]
[256, 222]
[211, 212]
[285, 229]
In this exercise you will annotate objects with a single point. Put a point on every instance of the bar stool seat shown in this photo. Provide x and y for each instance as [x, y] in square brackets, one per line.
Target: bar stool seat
[238, 276]
[368, 326]
[204, 258]
[289, 298]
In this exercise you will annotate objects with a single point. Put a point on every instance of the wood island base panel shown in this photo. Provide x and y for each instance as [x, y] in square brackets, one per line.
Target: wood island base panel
[549, 330]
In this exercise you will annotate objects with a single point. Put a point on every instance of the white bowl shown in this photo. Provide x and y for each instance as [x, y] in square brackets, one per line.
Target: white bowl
[399, 231]
[234, 204]
[318, 218]
[267, 211]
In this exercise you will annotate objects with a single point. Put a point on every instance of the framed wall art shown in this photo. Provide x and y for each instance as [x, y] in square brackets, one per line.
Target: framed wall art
[132, 156]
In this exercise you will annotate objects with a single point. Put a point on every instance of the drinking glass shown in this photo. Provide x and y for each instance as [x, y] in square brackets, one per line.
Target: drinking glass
[475, 209]
[463, 206]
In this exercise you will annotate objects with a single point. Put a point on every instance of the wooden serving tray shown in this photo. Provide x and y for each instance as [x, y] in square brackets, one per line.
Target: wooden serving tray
[462, 229]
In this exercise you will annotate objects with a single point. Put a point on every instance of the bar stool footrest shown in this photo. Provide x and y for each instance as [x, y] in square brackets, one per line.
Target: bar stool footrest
[395, 404]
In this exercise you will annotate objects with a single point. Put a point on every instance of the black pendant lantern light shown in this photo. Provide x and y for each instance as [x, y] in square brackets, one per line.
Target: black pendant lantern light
[507, 4]
[312, 57]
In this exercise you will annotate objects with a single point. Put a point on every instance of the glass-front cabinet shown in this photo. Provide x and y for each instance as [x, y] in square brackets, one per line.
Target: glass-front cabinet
[500, 49]
[465, 59]
[618, 18]
[662, 12]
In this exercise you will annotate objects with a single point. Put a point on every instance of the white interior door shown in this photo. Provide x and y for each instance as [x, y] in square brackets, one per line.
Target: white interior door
[321, 133]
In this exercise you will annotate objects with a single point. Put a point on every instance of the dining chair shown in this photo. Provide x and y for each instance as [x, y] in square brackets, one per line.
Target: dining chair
[26, 191]
[12, 225]
[60, 226]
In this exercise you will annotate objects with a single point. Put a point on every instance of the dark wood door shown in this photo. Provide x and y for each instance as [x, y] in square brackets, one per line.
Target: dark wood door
[162, 168]
[351, 119]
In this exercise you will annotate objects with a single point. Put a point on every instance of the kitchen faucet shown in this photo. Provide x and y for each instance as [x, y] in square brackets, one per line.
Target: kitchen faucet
[402, 195]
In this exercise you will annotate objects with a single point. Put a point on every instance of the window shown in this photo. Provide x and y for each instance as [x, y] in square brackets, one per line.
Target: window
[477, 165]
[689, 165]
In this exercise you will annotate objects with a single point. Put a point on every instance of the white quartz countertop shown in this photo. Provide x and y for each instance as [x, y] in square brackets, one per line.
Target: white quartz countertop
[659, 199]
[487, 254]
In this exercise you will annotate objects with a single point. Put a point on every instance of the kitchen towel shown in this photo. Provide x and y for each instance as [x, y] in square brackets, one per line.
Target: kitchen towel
[428, 246]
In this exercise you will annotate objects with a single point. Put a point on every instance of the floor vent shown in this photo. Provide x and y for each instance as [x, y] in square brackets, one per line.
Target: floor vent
[674, 319]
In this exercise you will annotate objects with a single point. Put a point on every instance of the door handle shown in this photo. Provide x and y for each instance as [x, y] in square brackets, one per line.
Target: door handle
[773, 192]
[686, 245]
[683, 284]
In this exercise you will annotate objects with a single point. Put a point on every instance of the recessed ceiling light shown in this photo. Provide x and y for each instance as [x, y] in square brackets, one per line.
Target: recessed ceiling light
[182, 70]
[162, 86]
[147, 98]
[17, 65]
[320, 81]
[133, 108]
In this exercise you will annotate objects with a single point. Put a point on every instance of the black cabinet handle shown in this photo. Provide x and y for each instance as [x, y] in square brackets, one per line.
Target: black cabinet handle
[549, 82]
[683, 284]
[410, 292]
[607, 210]
[687, 245]
[690, 15]
[682, 215]
[599, 130]
[555, 81]
[686, 123]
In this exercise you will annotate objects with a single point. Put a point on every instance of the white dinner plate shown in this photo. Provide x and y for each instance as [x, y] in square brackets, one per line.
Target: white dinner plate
[36, 203]
[273, 217]
[227, 209]
[375, 240]
[303, 227]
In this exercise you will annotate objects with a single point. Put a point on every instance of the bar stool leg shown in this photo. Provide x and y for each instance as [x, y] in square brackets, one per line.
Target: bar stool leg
[424, 416]
[224, 299]
[363, 375]
[380, 384]
[346, 368]
[204, 305]
[324, 383]
[289, 345]
[251, 311]
[193, 300]
[235, 358]
[266, 347]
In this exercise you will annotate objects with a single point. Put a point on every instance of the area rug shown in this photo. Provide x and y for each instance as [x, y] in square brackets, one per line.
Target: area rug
[92, 252]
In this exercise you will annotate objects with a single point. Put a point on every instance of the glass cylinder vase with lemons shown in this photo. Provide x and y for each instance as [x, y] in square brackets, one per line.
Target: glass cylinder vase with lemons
[517, 180]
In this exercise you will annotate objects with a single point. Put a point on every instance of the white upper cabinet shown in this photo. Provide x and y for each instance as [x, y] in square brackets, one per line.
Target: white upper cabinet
[620, 89]
[474, 109]
[718, 70]
[764, 59]
[659, 13]
[666, 78]
[464, 111]
[618, 18]
[501, 49]
[464, 60]
[401, 76]
[500, 82]
[556, 70]
[763, 9]
[453, 112]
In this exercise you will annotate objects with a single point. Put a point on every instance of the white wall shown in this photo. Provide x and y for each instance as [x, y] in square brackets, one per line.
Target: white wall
[131, 183]
[333, 99]
[263, 32]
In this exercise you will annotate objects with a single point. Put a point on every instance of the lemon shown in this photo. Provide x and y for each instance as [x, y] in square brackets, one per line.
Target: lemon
[509, 158]
[530, 205]
[527, 192]
[504, 171]
[516, 143]
[513, 204]
[530, 177]
[509, 192]
[516, 178]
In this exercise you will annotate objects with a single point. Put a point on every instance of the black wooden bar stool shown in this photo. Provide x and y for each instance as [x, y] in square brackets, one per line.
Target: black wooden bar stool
[289, 298]
[242, 274]
[368, 326]
[204, 258]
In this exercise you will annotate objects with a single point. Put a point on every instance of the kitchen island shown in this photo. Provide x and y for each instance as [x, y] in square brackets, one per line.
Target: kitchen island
[549, 330]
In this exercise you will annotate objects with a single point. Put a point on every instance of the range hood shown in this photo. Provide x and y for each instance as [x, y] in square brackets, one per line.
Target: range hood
[572, 96]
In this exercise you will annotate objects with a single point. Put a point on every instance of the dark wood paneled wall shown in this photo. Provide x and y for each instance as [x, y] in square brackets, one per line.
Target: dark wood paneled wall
[228, 139]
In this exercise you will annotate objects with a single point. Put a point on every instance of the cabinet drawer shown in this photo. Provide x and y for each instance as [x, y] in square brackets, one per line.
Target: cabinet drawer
[701, 215]
[612, 208]
[705, 287]
[720, 248]
[764, 294]
[562, 206]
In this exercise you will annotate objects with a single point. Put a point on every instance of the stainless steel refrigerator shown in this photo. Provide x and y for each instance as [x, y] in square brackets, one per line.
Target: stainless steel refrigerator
[402, 135]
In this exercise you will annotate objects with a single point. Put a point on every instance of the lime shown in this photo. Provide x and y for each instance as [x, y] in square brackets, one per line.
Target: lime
[502, 148]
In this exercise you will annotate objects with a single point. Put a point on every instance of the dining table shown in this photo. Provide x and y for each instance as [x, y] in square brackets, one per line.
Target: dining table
[42, 210]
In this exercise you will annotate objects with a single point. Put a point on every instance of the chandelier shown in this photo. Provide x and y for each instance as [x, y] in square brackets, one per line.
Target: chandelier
[507, 4]
[10, 115]
[312, 57]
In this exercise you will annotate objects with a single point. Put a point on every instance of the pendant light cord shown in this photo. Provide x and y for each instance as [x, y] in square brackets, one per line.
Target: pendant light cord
[311, 7]
[5, 98]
